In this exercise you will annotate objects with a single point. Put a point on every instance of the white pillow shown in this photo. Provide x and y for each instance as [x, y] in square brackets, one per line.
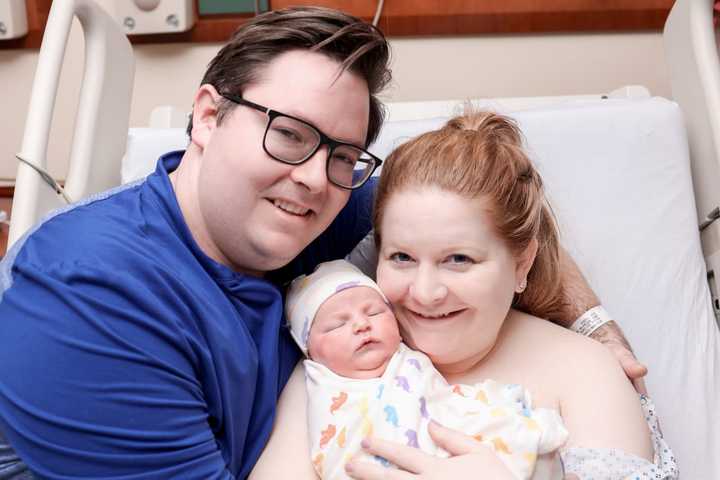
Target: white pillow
[145, 146]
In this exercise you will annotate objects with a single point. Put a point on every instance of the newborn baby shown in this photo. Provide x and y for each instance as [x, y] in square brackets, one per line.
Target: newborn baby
[363, 381]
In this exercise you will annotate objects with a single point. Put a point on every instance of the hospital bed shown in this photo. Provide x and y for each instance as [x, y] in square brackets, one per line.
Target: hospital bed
[631, 177]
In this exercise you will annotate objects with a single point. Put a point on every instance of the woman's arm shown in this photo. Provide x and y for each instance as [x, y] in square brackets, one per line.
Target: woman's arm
[599, 406]
[287, 454]
[610, 429]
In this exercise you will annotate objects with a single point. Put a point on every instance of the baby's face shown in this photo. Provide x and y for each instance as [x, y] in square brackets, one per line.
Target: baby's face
[354, 333]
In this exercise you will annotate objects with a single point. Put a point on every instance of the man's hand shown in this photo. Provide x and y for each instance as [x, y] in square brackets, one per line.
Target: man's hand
[469, 459]
[580, 297]
[612, 337]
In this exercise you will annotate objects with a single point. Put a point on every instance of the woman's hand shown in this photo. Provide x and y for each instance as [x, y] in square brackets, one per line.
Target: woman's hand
[469, 459]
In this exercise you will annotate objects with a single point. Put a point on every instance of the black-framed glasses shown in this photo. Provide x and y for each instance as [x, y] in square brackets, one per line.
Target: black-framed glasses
[293, 141]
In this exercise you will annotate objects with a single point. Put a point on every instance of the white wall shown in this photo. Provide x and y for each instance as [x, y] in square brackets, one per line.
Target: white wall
[424, 69]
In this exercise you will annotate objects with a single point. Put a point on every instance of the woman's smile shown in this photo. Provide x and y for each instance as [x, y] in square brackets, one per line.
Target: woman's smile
[434, 318]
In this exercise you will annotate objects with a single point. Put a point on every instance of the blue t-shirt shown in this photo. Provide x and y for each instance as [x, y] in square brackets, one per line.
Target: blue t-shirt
[125, 351]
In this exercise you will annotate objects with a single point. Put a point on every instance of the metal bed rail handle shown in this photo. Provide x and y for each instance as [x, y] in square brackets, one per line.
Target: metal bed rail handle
[102, 118]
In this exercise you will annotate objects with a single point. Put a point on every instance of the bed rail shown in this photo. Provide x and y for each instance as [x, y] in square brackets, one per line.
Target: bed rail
[102, 120]
[692, 57]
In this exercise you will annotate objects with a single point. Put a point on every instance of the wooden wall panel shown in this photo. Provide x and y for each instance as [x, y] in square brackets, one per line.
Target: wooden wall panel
[427, 17]
[463, 17]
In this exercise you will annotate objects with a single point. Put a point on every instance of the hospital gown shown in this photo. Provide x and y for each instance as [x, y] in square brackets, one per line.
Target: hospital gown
[613, 464]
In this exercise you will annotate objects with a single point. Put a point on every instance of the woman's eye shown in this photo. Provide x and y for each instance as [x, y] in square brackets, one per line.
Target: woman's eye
[459, 259]
[399, 257]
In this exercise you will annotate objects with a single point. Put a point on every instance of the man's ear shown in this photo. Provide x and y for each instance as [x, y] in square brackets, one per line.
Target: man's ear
[525, 261]
[204, 115]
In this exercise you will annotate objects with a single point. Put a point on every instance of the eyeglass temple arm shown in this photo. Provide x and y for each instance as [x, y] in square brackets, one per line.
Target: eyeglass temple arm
[241, 101]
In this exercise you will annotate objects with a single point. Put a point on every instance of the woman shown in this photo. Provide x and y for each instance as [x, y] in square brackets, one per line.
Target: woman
[468, 256]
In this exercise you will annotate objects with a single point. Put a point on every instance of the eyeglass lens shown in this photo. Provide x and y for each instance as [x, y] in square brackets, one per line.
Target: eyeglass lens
[291, 141]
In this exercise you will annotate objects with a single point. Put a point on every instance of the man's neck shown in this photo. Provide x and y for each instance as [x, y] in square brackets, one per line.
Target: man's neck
[184, 182]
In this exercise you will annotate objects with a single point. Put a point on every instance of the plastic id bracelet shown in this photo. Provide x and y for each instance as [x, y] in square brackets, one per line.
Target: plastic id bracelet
[591, 320]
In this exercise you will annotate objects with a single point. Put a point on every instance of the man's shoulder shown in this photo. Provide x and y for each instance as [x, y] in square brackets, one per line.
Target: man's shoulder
[106, 231]
[109, 257]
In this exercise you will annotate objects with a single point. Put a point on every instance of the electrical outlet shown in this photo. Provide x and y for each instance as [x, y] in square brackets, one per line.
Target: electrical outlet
[139, 17]
[13, 19]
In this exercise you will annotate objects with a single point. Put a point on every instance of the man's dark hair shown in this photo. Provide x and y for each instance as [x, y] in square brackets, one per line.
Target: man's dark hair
[356, 45]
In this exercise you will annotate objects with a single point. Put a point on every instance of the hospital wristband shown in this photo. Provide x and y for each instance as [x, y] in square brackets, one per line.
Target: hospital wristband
[591, 320]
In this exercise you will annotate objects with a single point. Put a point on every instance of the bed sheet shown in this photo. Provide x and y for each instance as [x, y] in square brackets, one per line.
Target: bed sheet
[618, 176]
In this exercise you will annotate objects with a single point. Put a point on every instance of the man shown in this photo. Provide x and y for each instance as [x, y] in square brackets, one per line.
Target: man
[141, 330]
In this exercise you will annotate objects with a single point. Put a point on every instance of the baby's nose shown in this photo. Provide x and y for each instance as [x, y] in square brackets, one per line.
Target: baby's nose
[361, 324]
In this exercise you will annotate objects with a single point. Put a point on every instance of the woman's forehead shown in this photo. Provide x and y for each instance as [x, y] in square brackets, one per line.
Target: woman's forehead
[432, 216]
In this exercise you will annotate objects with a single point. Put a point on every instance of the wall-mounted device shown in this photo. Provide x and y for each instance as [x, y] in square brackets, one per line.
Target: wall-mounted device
[224, 7]
[13, 19]
[139, 17]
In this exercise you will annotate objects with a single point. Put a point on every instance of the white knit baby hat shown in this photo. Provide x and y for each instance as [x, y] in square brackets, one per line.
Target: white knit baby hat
[308, 292]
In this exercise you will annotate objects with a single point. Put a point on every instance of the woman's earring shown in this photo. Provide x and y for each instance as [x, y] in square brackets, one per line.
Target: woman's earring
[522, 286]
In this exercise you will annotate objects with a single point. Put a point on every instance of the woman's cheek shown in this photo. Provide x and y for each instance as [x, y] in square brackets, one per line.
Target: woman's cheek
[390, 283]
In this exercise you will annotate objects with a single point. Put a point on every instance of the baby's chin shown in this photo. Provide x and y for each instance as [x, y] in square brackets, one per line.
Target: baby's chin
[369, 364]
